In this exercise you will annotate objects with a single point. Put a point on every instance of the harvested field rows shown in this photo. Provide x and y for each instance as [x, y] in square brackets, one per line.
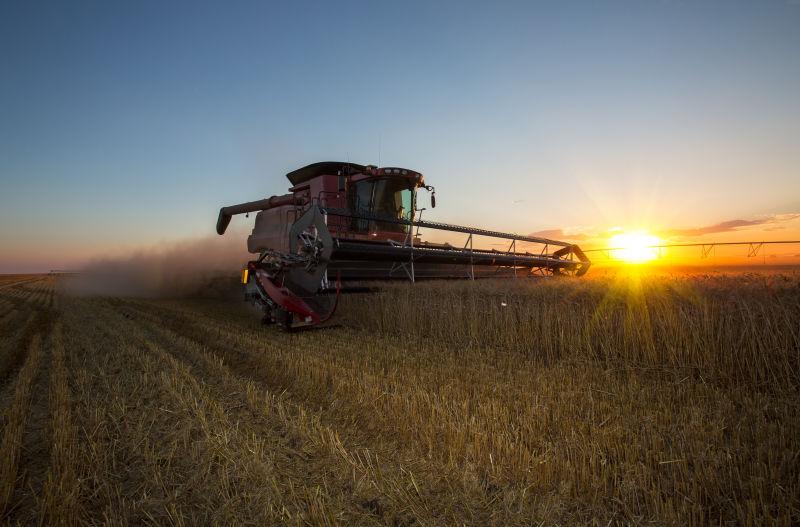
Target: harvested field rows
[668, 400]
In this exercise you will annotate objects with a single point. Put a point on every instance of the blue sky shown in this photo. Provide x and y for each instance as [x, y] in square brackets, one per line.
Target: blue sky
[128, 123]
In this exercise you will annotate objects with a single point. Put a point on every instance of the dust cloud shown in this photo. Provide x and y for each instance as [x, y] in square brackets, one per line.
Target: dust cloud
[207, 266]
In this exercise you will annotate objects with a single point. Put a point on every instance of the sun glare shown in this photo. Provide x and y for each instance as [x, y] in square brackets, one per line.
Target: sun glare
[634, 247]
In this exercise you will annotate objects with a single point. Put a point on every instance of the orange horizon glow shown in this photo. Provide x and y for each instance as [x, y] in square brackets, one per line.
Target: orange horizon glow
[635, 247]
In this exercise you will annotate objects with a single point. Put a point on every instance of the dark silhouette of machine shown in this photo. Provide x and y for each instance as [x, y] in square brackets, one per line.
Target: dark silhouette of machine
[342, 221]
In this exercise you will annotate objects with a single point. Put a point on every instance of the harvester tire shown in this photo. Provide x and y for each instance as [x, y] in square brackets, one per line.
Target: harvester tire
[284, 320]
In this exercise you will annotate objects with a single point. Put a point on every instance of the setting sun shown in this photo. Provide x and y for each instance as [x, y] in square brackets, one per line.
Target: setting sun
[634, 247]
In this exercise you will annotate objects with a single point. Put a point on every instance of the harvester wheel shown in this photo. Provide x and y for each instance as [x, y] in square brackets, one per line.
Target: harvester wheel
[284, 320]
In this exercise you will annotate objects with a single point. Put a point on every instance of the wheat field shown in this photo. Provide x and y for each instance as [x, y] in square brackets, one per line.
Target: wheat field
[619, 399]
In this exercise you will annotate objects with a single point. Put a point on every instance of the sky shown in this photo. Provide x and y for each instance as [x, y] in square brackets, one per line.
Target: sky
[128, 124]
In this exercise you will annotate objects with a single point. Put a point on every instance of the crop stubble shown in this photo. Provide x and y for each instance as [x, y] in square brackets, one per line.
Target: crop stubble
[626, 399]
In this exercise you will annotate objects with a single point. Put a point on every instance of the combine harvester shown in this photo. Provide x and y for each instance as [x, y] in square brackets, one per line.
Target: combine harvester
[343, 221]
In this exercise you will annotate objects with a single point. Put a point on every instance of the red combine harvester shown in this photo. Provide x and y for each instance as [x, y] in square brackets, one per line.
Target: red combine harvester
[342, 221]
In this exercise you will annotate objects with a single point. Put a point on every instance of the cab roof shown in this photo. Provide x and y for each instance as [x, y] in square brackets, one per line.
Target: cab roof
[324, 168]
[335, 168]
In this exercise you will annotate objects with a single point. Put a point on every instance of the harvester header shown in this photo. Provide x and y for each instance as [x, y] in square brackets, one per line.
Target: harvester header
[343, 221]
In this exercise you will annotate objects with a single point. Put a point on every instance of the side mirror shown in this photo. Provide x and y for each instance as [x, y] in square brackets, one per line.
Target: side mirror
[433, 194]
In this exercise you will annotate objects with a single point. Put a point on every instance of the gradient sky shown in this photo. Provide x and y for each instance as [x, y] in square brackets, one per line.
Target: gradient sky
[123, 124]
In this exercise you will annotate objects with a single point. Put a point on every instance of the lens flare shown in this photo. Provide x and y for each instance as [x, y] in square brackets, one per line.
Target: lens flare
[634, 247]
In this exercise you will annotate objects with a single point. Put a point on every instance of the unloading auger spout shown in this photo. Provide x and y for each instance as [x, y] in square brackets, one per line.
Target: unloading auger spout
[226, 213]
[348, 222]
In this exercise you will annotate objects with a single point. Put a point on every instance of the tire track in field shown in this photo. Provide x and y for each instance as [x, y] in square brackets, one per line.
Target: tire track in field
[299, 381]
[33, 448]
[224, 469]
[62, 488]
[338, 363]
[474, 501]
[123, 451]
[394, 489]
[322, 453]
[14, 426]
[6, 306]
[12, 299]
[35, 441]
[269, 361]
[137, 454]
[19, 331]
[8, 313]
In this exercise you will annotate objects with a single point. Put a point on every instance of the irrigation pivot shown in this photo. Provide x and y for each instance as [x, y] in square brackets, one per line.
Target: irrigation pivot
[753, 247]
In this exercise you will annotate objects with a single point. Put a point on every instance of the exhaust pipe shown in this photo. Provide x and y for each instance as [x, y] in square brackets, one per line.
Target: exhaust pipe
[226, 213]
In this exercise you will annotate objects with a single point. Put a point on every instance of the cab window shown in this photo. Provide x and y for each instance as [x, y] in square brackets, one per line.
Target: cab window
[390, 197]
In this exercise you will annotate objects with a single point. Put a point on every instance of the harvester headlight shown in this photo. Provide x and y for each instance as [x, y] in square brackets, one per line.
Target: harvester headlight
[245, 275]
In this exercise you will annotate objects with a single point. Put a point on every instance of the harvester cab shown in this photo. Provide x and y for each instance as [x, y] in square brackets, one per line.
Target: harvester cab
[347, 222]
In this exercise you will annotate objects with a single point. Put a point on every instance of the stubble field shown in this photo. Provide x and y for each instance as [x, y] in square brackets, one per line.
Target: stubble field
[616, 399]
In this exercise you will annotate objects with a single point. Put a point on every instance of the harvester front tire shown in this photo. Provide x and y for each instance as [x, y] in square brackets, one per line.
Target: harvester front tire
[284, 320]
